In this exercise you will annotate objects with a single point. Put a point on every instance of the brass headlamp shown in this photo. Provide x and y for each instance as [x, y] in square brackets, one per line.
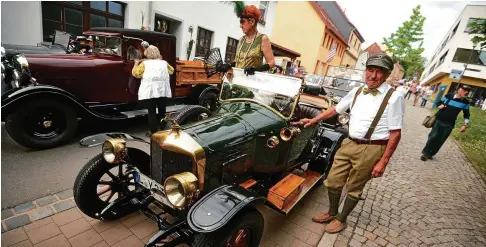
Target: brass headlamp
[181, 188]
[114, 150]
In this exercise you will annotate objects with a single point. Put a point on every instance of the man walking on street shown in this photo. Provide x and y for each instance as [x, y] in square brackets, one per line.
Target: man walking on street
[376, 119]
[449, 107]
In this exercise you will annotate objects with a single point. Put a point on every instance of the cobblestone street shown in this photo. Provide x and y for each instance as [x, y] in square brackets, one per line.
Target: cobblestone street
[440, 202]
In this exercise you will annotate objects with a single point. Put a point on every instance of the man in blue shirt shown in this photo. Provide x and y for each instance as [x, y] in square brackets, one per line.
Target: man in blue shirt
[449, 107]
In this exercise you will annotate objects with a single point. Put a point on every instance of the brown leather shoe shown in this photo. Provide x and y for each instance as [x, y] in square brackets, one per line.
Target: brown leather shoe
[323, 218]
[335, 226]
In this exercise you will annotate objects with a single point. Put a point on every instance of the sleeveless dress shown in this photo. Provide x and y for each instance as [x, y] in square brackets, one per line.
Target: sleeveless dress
[249, 54]
[155, 80]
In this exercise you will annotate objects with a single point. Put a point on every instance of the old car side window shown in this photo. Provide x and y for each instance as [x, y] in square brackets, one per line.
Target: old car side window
[108, 45]
[134, 50]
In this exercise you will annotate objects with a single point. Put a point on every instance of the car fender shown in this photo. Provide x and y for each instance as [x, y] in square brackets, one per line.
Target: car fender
[98, 139]
[12, 97]
[219, 206]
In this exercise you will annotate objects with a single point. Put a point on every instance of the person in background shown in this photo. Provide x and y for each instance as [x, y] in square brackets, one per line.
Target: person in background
[425, 96]
[417, 94]
[292, 70]
[401, 88]
[278, 70]
[449, 107]
[155, 84]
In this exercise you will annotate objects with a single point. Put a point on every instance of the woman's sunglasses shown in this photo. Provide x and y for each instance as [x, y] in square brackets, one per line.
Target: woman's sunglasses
[242, 20]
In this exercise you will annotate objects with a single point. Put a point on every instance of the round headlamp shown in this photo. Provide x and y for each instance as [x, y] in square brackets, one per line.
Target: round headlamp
[22, 60]
[343, 118]
[180, 188]
[114, 150]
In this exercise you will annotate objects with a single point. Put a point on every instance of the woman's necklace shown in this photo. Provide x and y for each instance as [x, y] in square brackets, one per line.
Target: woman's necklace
[241, 47]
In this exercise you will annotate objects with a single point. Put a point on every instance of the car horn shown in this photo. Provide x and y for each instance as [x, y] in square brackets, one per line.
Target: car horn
[286, 134]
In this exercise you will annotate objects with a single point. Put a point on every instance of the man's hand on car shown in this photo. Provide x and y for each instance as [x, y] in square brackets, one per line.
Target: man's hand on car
[304, 121]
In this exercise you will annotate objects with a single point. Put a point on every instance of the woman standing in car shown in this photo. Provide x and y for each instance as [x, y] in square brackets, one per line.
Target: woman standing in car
[155, 85]
[253, 46]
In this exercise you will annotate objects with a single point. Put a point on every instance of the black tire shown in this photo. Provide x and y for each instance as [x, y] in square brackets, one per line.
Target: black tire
[186, 115]
[209, 100]
[250, 219]
[25, 127]
[85, 185]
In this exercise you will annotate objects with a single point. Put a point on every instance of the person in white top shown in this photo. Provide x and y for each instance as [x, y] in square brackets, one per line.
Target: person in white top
[155, 84]
[373, 138]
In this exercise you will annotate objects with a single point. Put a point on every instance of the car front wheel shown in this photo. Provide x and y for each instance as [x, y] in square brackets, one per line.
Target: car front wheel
[246, 229]
[42, 124]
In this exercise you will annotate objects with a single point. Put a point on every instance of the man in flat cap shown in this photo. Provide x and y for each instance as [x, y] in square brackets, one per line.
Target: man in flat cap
[449, 107]
[375, 124]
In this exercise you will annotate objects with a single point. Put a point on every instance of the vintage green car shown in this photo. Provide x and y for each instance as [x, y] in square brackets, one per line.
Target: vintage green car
[206, 173]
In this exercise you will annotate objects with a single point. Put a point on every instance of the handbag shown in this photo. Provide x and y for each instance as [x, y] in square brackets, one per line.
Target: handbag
[429, 121]
[133, 85]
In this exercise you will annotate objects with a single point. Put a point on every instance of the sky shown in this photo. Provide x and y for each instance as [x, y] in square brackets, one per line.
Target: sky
[376, 19]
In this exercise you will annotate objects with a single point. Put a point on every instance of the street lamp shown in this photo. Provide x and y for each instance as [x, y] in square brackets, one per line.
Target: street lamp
[467, 63]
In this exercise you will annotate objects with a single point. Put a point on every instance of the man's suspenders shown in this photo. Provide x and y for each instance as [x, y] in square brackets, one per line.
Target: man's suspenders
[378, 114]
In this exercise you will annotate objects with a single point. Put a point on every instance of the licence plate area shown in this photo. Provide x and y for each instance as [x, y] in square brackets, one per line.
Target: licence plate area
[150, 183]
[155, 188]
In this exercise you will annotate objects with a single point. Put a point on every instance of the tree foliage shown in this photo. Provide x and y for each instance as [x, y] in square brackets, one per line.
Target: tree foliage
[478, 30]
[406, 43]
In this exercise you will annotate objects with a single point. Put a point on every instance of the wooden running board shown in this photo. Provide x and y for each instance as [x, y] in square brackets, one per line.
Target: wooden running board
[311, 178]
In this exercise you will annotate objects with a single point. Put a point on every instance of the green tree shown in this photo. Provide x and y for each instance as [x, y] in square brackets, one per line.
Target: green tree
[478, 29]
[406, 43]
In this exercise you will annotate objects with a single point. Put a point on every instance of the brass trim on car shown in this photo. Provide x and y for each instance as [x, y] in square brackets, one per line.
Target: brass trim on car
[176, 140]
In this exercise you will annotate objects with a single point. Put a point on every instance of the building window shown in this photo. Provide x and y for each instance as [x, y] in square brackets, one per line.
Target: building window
[473, 20]
[77, 17]
[442, 59]
[355, 41]
[231, 45]
[455, 29]
[324, 40]
[263, 9]
[203, 42]
[476, 57]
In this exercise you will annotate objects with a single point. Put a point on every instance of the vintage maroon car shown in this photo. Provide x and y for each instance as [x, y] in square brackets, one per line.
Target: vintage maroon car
[95, 85]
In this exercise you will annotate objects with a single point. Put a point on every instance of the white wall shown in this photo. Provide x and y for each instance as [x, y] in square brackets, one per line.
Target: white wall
[460, 39]
[21, 23]
[214, 16]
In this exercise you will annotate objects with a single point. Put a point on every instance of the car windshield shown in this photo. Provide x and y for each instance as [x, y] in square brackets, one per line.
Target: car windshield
[275, 91]
[107, 45]
[340, 80]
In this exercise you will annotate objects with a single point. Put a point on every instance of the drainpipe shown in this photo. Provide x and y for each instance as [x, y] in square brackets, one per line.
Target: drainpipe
[151, 14]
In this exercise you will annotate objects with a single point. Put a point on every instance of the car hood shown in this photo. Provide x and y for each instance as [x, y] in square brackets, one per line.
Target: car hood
[234, 123]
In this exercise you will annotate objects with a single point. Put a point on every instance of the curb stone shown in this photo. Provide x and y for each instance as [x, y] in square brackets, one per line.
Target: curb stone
[38, 209]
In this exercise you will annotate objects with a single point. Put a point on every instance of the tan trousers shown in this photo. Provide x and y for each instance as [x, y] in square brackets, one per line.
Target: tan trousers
[353, 164]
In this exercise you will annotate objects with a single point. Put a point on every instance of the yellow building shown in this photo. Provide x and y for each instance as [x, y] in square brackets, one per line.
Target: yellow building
[305, 28]
[351, 55]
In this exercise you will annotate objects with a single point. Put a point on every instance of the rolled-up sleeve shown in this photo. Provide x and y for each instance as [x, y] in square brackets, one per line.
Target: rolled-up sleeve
[345, 103]
[396, 111]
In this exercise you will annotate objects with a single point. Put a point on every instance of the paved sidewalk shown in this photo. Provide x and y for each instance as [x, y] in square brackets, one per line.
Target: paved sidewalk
[434, 203]
[439, 202]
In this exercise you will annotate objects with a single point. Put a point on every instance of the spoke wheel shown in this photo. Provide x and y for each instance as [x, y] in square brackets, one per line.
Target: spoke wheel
[99, 183]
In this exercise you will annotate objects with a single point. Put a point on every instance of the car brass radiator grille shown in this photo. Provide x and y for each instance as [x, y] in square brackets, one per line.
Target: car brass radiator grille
[167, 163]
